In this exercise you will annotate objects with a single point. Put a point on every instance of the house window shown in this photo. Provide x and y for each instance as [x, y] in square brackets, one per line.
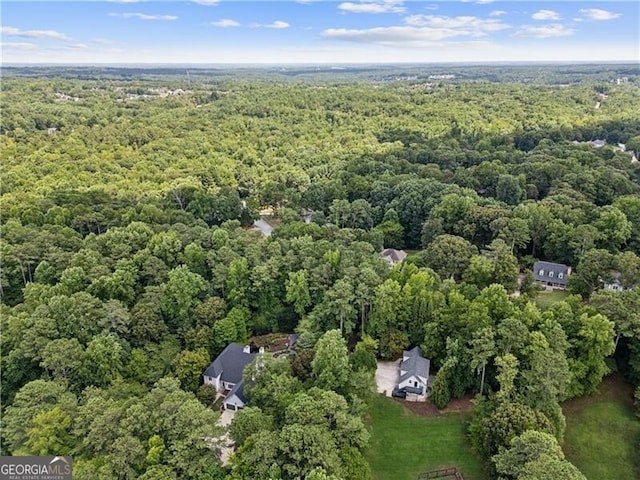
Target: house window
[550, 274]
[541, 272]
[561, 276]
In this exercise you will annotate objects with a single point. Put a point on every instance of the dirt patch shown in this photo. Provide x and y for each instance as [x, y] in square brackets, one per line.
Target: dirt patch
[428, 409]
[272, 342]
[613, 388]
[387, 375]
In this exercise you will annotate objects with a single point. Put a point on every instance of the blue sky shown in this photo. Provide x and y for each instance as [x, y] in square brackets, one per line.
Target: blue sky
[308, 31]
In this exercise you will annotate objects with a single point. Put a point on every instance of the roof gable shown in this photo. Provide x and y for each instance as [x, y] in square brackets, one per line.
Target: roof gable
[541, 272]
[394, 255]
[414, 364]
[230, 364]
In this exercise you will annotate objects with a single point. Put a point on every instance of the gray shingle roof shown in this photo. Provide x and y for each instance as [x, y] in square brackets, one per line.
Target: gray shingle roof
[393, 255]
[230, 363]
[416, 364]
[547, 267]
[238, 391]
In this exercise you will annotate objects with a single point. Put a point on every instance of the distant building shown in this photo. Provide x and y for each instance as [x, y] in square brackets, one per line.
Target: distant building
[614, 283]
[551, 274]
[393, 256]
[598, 143]
[306, 215]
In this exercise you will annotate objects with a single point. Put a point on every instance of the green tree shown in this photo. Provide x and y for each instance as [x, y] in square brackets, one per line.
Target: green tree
[330, 366]
[297, 288]
[50, 433]
[181, 294]
[189, 367]
[528, 453]
[449, 256]
[482, 348]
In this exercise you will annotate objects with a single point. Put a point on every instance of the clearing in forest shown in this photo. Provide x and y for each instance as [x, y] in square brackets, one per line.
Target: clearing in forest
[603, 432]
[404, 444]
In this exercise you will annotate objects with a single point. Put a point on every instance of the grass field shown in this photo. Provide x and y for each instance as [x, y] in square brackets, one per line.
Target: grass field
[404, 444]
[546, 299]
[603, 433]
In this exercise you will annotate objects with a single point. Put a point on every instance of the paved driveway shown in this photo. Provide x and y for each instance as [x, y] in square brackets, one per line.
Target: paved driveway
[387, 375]
[224, 442]
[263, 226]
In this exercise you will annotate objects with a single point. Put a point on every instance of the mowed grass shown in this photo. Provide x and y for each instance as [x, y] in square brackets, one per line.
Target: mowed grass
[545, 299]
[603, 433]
[404, 444]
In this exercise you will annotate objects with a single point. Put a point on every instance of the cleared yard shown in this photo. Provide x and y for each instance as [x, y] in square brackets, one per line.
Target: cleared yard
[404, 444]
[547, 298]
[387, 375]
[603, 432]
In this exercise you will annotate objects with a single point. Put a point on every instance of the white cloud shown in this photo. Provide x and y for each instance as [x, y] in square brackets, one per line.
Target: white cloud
[598, 14]
[399, 36]
[18, 45]
[467, 23]
[225, 23]
[278, 25]
[103, 41]
[144, 16]
[384, 6]
[484, 2]
[544, 31]
[546, 15]
[125, 1]
[16, 32]
[433, 6]
[497, 13]
[78, 46]
[208, 3]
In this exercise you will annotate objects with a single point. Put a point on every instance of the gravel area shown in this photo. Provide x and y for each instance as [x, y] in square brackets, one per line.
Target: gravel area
[387, 375]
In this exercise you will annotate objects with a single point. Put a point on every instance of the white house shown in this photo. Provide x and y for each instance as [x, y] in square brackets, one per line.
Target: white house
[614, 283]
[225, 374]
[414, 372]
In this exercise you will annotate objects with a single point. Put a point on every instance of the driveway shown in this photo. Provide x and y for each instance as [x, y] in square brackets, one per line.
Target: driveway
[387, 375]
[263, 226]
[224, 442]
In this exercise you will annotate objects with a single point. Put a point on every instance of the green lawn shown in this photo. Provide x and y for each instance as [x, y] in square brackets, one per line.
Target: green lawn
[404, 444]
[546, 299]
[603, 433]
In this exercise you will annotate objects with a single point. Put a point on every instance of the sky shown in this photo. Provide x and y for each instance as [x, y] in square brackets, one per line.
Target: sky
[318, 31]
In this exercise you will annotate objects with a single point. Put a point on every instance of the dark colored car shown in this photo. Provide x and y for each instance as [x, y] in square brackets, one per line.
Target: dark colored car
[399, 393]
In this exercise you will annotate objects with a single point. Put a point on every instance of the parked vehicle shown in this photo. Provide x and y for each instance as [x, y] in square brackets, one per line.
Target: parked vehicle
[399, 393]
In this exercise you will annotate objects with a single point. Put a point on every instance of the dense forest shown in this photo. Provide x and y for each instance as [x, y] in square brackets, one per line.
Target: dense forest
[129, 261]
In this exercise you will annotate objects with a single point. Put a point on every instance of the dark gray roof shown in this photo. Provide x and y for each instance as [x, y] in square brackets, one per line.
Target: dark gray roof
[230, 363]
[238, 391]
[547, 267]
[396, 256]
[415, 364]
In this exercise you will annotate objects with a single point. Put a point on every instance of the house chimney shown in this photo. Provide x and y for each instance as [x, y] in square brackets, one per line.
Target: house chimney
[246, 349]
[261, 350]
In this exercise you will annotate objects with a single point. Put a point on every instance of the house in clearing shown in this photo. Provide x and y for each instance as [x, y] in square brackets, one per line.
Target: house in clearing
[414, 372]
[393, 256]
[551, 275]
[225, 374]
